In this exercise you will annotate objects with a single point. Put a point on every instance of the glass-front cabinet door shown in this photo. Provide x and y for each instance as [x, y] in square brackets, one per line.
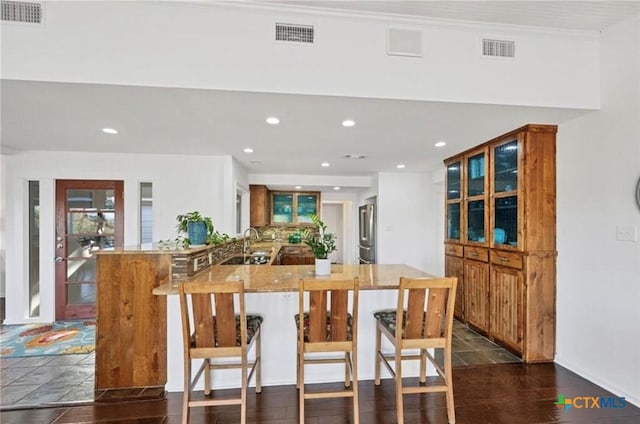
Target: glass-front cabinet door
[476, 196]
[307, 205]
[294, 208]
[282, 208]
[506, 209]
[454, 201]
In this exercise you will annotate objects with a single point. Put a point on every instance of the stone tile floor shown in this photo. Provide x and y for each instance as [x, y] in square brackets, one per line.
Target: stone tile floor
[46, 380]
[471, 348]
[69, 379]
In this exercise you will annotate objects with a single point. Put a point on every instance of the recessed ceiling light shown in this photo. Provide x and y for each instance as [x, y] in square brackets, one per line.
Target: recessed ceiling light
[109, 131]
[272, 120]
[336, 188]
[440, 144]
[348, 123]
[325, 164]
[298, 187]
[400, 165]
[248, 150]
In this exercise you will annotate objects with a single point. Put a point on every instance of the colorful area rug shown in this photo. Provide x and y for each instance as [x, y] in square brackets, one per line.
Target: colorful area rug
[59, 338]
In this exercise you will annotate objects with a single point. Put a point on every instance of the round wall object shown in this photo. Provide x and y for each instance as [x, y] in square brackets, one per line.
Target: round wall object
[638, 193]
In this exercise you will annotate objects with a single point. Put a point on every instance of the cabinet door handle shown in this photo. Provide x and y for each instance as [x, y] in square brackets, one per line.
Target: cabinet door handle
[474, 254]
[504, 259]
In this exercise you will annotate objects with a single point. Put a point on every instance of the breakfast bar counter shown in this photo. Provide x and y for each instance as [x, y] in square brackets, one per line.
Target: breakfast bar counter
[285, 278]
[139, 335]
[271, 291]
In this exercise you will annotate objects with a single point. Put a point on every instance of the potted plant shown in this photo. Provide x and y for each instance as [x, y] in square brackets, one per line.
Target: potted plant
[322, 243]
[196, 226]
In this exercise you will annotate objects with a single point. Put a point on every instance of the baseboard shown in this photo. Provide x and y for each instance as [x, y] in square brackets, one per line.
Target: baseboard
[632, 398]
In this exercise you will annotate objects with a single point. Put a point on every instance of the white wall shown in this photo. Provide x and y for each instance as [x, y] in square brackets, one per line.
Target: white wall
[598, 291]
[180, 184]
[406, 221]
[348, 252]
[3, 178]
[217, 46]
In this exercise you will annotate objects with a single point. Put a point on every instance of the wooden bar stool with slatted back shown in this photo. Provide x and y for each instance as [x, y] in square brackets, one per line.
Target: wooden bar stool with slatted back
[323, 332]
[220, 338]
[427, 323]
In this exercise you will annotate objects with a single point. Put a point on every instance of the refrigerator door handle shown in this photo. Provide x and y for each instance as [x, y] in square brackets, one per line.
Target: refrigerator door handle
[364, 247]
[364, 233]
[363, 261]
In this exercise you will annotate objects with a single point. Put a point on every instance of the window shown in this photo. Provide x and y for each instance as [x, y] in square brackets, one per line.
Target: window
[238, 212]
[146, 213]
[34, 248]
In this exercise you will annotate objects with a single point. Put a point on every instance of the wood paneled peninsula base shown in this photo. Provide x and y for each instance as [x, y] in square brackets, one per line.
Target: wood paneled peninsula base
[139, 340]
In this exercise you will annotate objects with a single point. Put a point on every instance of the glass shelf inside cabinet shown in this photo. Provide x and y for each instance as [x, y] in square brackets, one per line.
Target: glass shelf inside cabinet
[505, 229]
[506, 167]
[453, 221]
[475, 175]
[475, 221]
[453, 181]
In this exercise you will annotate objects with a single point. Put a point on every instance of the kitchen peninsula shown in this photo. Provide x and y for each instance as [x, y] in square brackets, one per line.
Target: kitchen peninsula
[139, 340]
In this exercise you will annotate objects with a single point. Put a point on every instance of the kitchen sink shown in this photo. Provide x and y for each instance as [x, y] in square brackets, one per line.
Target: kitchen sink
[247, 260]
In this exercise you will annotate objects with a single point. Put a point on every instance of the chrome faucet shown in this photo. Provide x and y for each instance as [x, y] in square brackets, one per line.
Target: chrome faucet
[246, 243]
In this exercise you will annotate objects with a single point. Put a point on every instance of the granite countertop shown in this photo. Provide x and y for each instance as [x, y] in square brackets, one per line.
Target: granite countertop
[154, 248]
[284, 278]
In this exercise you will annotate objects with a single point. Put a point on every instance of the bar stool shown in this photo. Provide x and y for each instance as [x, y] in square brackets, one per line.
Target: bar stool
[218, 333]
[426, 323]
[330, 330]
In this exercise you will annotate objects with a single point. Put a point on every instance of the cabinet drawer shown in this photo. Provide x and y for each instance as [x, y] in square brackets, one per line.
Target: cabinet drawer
[291, 250]
[453, 249]
[476, 253]
[512, 260]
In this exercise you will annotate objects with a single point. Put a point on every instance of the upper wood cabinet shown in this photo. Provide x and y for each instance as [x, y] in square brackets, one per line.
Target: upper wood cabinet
[500, 208]
[476, 197]
[294, 208]
[467, 186]
[260, 201]
[453, 207]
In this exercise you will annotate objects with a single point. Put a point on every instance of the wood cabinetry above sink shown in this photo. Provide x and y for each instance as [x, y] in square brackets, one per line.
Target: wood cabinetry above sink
[260, 209]
[282, 208]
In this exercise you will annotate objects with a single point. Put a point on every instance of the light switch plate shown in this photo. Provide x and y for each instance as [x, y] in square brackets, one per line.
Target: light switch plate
[626, 233]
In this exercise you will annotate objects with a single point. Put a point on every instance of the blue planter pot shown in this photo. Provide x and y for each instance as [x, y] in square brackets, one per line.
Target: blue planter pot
[197, 232]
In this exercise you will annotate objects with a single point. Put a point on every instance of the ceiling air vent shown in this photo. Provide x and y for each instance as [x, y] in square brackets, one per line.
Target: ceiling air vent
[20, 11]
[404, 42]
[294, 33]
[355, 156]
[498, 48]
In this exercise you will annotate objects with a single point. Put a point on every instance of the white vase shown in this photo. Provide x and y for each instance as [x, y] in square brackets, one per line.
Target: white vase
[323, 266]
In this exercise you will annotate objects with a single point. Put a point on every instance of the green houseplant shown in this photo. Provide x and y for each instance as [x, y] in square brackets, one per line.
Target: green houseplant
[199, 229]
[322, 243]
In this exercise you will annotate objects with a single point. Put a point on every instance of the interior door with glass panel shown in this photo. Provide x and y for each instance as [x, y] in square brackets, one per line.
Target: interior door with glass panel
[89, 218]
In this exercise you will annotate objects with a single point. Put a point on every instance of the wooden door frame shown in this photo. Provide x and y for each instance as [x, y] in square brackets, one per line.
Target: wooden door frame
[88, 310]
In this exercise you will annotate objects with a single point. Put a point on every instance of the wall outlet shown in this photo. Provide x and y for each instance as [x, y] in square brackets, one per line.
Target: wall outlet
[626, 233]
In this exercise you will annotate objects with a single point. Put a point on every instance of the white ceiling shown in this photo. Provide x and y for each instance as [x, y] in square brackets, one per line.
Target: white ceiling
[68, 117]
[566, 14]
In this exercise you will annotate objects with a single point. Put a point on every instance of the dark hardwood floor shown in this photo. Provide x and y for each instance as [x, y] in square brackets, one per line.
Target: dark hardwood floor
[506, 393]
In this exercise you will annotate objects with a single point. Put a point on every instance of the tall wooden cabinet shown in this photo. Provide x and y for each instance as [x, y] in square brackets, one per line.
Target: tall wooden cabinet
[260, 210]
[500, 211]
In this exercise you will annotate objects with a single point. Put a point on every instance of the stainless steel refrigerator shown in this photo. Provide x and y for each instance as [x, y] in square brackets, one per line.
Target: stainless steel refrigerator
[367, 234]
